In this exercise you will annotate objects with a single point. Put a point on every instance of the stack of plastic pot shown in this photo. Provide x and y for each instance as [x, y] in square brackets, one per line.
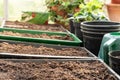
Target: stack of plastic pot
[75, 28]
[94, 31]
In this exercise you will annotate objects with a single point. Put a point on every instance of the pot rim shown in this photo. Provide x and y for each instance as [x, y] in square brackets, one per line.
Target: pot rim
[86, 24]
[95, 33]
[113, 52]
[112, 4]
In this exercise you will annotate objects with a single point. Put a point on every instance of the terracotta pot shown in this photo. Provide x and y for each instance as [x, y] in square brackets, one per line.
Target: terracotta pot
[113, 12]
[115, 1]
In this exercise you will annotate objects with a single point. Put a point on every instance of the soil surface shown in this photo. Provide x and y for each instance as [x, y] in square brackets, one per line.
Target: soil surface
[29, 49]
[45, 36]
[53, 70]
[25, 25]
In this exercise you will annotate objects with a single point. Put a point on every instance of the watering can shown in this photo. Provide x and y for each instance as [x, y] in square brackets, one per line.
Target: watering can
[110, 42]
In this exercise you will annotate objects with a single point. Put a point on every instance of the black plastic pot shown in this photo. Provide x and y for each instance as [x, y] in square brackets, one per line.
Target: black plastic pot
[114, 59]
[72, 29]
[94, 31]
[100, 25]
[78, 33]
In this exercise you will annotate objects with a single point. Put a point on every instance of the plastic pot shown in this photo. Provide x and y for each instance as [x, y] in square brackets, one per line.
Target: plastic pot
[94, 31]
[72, 29]
[78, 33]
[114, 59]
[92, 41]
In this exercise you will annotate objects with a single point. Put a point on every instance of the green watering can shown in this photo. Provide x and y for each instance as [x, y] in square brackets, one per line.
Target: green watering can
[110, 42]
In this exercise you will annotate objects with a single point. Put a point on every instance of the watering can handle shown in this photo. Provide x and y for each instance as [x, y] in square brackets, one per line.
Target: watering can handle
[106, 47]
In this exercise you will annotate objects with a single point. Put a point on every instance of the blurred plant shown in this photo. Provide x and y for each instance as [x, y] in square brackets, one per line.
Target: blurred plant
[59, 9]
[90, 11]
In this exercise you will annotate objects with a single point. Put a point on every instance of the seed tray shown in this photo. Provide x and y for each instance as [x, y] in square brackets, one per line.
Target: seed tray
[33, 56]
[23, 25]
[39, 61]
[75, 42]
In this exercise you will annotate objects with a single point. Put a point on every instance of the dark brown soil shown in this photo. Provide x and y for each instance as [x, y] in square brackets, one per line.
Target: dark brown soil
[29, 49]
[53, 70]
[45, 36]
[25, 25]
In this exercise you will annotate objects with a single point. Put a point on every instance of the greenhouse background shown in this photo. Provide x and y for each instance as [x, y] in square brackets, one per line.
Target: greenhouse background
[14, 8]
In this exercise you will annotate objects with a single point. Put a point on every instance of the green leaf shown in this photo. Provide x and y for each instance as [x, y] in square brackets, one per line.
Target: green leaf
[40, 17]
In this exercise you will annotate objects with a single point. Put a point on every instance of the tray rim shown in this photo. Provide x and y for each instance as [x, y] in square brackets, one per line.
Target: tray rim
[76, 40]
[41, 60]
[54, 25]
[90, 55]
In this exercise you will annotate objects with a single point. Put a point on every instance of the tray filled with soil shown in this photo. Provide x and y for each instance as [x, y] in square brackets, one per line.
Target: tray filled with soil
[28, 50]
[40, 36]
[26, 25]
[54, 69]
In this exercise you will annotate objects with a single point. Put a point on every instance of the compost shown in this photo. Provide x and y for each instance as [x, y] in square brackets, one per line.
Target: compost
[53, 70]
[44, 35]
[41, 50]
[25, 25]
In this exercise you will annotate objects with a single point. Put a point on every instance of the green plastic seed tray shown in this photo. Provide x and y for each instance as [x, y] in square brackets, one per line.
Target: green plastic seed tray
[29, 26]
[75, 42]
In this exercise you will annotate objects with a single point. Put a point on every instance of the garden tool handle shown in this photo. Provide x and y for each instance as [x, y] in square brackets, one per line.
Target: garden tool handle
[3, 23]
